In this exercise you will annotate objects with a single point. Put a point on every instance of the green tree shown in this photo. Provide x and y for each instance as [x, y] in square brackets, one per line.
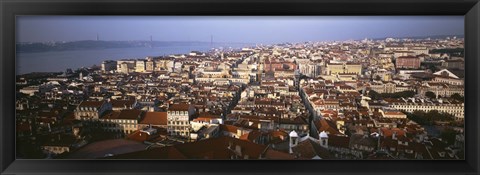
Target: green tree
[448, 135]
[430, 94]
[458, 97]
[404, 94]
[374, 95]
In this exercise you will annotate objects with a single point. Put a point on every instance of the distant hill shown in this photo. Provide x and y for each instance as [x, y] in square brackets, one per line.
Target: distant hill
[423, 37]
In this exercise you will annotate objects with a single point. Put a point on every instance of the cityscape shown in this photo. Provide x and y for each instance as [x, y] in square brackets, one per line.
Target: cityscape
[391, 98]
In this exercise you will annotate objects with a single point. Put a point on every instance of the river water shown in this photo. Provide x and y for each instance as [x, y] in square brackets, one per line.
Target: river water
[56, 61]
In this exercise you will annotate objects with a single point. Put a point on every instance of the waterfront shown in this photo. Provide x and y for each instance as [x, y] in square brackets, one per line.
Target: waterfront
[56, 61]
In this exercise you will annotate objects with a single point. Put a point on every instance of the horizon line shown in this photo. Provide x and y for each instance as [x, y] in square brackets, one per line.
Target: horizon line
[335, 40]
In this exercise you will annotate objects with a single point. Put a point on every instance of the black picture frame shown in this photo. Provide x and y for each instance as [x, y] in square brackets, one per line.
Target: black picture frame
[11, 8]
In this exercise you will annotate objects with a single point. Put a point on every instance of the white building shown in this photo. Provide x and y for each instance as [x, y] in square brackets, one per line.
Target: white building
[456, 109]
[178, 119]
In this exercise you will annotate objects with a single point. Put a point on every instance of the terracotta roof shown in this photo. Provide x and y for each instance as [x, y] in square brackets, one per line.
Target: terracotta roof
[168, 152]
[138, 136]
[251, 149]
[278, 134]
[179, 107]
[362, 140]
[207, 115]
[251, 136]
[49, 114]
[394, 113]
[339, 141]
[309, 149]
[110, 115]
[295, 121]
[277, 155]
[386, 132]
[121, 103]
[229, 128]
[408, 57]
[130, 114]
[327, 126]
[154, 118]
[96, 104]
[23, 127]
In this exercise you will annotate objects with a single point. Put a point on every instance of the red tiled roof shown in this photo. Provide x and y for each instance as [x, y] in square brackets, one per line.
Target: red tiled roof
[154, 118]
[219, 146]
[338, 141]
[130, 114]
[23, 127]
[277, 155]
[95, 104]
[251, 136]
[168, 152]
[207, 115]
[386, 132]
[124, 114]
[111, 115]
[394, 113]
[179, 107]
[229, 128]
[295, 121]
[121, 103]
[327, 126]
[309, 149]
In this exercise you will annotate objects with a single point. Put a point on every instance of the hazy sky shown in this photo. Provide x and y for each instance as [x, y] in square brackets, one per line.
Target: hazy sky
[262, 29]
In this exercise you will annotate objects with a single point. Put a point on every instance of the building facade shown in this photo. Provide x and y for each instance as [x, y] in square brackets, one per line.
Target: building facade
[178, 119]
[408, 62]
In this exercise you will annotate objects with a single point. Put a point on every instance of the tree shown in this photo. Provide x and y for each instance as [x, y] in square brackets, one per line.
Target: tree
[374, 95]
[418, 117]
[430, 117]
[458, 97]
[430, 94]
[404, 94]
[448, 135]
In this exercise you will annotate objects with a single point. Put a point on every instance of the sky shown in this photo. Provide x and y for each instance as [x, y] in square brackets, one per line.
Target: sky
[246, 29]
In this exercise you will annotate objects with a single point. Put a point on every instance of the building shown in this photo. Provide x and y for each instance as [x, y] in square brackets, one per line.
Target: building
[30, 90]
[342, 68]
[149, 65]
[123, 122]
[454, 64]
[222, 148]
[140, 66]
[164, 65]
[408, 62]
[441, 89]
[57, 144]
[309, 147]
[91, 109]
[393, 114]
[118, 105]
[125, 66]
[178, 120]
[456, 109]
[109, 65]
[446, 76]
[402, 53]
[157, 119]
[389, 87]
[309, 68]
[419, 50]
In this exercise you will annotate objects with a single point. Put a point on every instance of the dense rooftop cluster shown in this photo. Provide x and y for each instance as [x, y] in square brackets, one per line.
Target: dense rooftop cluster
[382, 99]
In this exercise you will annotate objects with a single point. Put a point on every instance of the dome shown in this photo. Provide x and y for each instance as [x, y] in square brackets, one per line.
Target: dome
[323, 134]
[293, 134]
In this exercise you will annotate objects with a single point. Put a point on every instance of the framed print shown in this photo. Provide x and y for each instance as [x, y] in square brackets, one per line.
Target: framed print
[267, 87]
